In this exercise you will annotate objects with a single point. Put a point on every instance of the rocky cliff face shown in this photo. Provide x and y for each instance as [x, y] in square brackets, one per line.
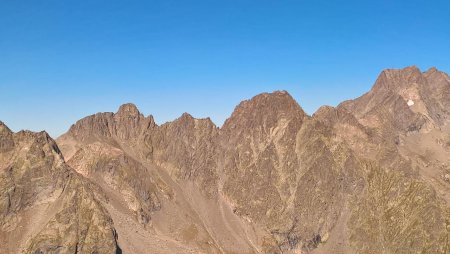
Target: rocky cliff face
[404, 100]
[404, 206]
[368, 176]
[46, 207]
[147, 171]
[188, 146]
[285, 170]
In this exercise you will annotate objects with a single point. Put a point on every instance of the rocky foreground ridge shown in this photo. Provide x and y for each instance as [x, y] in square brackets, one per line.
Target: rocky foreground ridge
[371, 175]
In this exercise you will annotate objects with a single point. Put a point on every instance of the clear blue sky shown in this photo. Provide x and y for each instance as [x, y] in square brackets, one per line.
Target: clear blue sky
[63, 60]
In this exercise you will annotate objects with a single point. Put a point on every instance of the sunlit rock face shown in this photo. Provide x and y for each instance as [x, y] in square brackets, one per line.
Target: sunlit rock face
[368, 176]
[45, 206]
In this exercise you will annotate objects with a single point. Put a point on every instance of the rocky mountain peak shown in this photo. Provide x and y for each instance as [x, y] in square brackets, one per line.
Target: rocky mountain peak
[396, 79]
[4, 128]
[128, 109]
[432, 74]
[404, 101]
[432, 70]
[126, 123]
[265, 109]
[186, 117]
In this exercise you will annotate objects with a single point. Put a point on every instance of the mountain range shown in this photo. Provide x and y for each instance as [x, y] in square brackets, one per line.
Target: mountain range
[371, 175]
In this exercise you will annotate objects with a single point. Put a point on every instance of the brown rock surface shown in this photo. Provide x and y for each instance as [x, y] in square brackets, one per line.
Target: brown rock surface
[371, 175]
[45, 206]
[164, 178]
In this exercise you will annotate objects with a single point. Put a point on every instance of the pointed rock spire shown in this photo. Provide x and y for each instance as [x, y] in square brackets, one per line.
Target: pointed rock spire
[4, 128]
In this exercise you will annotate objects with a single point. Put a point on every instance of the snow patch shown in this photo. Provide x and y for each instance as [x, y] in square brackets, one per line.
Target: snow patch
[410, 103]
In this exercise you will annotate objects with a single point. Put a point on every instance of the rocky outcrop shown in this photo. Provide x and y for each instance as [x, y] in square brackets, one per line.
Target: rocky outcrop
[188, 146]
[45, 206]
[111, 166]
[127, 124]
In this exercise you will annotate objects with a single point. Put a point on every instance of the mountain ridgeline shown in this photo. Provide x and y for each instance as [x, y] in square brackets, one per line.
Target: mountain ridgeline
[371, 175]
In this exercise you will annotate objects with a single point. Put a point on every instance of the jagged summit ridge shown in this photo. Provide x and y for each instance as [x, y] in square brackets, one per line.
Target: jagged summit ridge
[281, 101]
[405, 97]
[395, 79]
[271, 180]
[128, 122]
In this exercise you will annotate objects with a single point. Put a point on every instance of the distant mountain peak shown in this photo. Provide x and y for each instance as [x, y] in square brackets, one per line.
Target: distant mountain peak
[277, 103]
[4, 128]
[405, 96]
[128, 109]
[432, 70]
[395, 79]
[186, 115]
